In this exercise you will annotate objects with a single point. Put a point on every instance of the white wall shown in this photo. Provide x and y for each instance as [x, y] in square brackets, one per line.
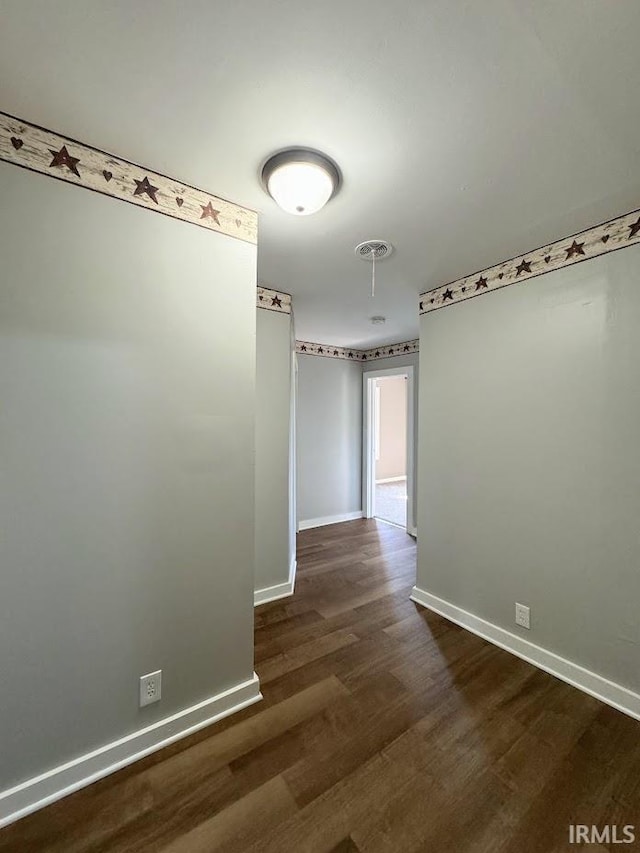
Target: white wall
[329, 437]
[529, 465]
[126, 467]
[273, 416]
[392, 459]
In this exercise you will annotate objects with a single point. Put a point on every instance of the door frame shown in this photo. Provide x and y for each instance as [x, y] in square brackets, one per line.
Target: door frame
[368, 460]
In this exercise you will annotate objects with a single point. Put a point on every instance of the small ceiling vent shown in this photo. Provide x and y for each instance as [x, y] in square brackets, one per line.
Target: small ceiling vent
[372, 250]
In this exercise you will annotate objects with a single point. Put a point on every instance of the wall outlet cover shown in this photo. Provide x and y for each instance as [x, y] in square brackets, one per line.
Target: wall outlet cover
[523, 616]
[150, 688]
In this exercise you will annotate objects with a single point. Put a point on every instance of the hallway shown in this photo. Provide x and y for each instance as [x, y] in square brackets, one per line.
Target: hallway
[383, 728]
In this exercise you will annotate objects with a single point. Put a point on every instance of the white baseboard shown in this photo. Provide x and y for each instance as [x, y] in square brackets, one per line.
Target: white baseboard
[280, 590]
[613, 694]
[63, 780]
[329, 519]
[390, 523]
[392, 479]
[272, 593]
[412, 531]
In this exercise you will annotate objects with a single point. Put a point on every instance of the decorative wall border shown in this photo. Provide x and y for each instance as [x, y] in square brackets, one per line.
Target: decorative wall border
[351, 354]
[273, 300]
[329, 351]
[392, 350]
[39, 150]
[608, 237]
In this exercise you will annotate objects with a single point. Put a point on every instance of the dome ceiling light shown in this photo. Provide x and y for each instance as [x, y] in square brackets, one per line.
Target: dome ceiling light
[300, 180]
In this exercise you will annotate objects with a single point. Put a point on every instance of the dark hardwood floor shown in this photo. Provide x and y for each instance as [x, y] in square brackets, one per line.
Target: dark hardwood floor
[383, 728]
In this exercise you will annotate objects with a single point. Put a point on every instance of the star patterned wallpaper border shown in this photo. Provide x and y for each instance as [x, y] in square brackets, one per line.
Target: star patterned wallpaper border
[273, 300]
[40, 150]
[350, 354]
[608, 237]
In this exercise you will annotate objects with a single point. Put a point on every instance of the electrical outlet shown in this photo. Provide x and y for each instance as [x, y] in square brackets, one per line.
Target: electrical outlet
[150, 688]
[523, 616]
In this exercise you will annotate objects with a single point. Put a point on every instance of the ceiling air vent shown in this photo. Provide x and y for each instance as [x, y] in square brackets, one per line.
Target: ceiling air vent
[373, 250]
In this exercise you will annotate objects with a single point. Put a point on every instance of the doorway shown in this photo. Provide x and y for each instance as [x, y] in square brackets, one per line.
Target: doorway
[388, 446]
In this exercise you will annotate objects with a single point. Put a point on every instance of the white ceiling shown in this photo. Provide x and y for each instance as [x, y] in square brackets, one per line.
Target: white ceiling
[467, 131]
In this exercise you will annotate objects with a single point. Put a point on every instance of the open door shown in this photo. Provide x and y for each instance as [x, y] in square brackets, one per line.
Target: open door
[388, 464]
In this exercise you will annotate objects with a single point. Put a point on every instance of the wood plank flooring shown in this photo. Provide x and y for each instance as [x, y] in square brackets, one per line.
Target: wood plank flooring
[383, 728]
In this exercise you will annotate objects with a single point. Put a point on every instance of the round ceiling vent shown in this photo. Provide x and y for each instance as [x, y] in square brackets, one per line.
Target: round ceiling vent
[372, 250]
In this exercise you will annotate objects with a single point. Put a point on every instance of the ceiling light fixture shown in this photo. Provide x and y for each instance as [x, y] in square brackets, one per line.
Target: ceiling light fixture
[300, 180]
